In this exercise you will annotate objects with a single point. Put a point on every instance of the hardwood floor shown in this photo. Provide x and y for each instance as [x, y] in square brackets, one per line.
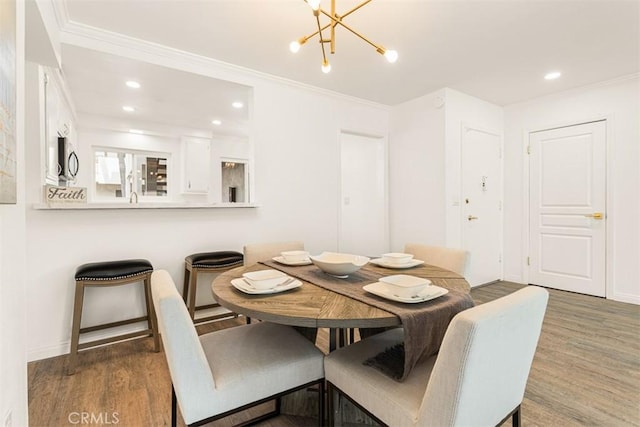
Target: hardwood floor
[586, 372]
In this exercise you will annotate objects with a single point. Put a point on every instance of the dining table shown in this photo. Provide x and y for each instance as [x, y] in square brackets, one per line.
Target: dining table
[313, 306]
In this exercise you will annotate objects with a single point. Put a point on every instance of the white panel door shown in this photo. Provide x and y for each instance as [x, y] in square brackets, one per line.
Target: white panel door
[482, 208]
[567, 208]
[363, 211]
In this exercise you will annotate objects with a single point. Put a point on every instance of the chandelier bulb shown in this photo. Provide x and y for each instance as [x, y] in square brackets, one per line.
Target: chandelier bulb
[315, 4]
[326, 67]
[391, 55]
[294, 46]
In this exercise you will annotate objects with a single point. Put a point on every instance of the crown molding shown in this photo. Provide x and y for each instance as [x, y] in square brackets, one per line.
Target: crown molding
[601, 84]
[82, 35]
[61, 13]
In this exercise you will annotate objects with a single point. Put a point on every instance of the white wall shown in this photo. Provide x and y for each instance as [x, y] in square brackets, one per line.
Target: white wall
[618, 102]
[296, 180]
[417, 171]
[462, 110]
[425, 162]
[13, 330]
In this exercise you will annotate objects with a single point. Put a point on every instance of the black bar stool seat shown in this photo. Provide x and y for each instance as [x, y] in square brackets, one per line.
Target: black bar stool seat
[113, 270]
[210, 262]
[111, 273]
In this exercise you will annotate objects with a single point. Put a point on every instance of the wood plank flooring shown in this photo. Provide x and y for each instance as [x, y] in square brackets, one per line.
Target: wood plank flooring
[586, 372]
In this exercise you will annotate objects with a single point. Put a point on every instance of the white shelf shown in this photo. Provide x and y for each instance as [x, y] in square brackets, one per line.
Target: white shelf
[142, 205]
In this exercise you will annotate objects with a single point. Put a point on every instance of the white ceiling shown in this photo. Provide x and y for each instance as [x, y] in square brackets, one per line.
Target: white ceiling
[495, 50]
[169, 102]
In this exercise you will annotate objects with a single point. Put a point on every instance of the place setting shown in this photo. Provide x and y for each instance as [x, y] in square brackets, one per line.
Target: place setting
[293, 258]
[397, 260]
[405, 289]
[263, 282]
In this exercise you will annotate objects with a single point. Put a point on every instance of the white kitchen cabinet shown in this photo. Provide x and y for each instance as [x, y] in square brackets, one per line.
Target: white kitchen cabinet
[196, 165]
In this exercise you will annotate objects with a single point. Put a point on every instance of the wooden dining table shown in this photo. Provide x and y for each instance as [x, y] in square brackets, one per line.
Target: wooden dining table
[312, 306]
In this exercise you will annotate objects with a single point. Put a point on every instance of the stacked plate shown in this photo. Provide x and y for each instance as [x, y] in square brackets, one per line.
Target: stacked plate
[293, 258]
[265, 282]
[405, 288]
[397, 260]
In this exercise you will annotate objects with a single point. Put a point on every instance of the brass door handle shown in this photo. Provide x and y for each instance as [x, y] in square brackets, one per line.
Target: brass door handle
[595, 215]
[471, 217]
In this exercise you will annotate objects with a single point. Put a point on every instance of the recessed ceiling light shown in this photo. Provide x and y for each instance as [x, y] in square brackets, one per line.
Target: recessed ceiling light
[136, 131]
[132, 84]
[552, 75]
[128, 109]
[216, 122]
[237, 104]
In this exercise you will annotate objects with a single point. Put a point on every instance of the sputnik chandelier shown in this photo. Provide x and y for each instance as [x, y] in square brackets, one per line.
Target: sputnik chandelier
[335, 20]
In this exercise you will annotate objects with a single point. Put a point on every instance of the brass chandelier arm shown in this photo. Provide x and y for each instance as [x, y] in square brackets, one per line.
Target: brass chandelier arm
[344, 15]
[324, 55]
[336, 19]
[333, 27]
[305, 38]
[339, 22]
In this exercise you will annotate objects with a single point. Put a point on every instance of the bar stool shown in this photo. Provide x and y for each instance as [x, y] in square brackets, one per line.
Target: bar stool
[209, 262]
[111, 273]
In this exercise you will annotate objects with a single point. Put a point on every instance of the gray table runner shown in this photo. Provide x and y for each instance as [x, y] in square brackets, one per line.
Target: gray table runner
[424, 323]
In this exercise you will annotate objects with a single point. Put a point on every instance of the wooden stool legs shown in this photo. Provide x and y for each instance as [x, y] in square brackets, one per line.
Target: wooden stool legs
[150, 318]
[75, 329]
[189, 292]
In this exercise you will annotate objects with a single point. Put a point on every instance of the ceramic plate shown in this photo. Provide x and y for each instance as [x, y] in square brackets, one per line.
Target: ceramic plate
[429, 293]
[281, 260]
[265, 279]
[381, 263]
[242, 285]
[405, 280]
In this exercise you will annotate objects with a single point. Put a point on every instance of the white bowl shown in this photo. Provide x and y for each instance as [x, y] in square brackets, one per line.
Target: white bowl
[295, 256]
[265, 279]
[396, 258]
[338, 264]
[405, 286]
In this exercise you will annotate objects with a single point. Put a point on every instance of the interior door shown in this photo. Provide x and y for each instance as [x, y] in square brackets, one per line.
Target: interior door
[567, 208]
[363, 212]
[482, 204]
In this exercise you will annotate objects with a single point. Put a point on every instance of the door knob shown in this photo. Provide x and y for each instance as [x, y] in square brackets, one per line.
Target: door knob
[471, 217]
[595, 215]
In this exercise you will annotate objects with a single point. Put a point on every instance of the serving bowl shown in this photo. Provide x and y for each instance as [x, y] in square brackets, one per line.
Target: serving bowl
[338, 264]
[264, 279]
[396, 258]
[403, 285]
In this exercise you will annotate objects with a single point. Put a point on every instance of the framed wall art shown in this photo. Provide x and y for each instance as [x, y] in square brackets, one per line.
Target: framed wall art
[8, 167]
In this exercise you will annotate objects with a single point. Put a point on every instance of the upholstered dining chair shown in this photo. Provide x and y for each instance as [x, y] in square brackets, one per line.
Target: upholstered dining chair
[223, 372]
[257, 252]
[477, 379]
[449, 258]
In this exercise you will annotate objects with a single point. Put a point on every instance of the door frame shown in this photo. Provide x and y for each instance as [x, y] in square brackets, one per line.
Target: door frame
[385, 145]
[464, 128]
[609, 211]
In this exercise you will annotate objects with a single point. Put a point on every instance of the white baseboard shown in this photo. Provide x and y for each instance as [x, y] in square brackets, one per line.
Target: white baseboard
[629, 298]
[513, 278]
[47, 352]
[64, 346]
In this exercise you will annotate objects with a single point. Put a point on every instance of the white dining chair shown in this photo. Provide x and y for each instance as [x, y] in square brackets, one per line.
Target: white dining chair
[257, 252]
[223, 372]
[477, 379]
[448, 258]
